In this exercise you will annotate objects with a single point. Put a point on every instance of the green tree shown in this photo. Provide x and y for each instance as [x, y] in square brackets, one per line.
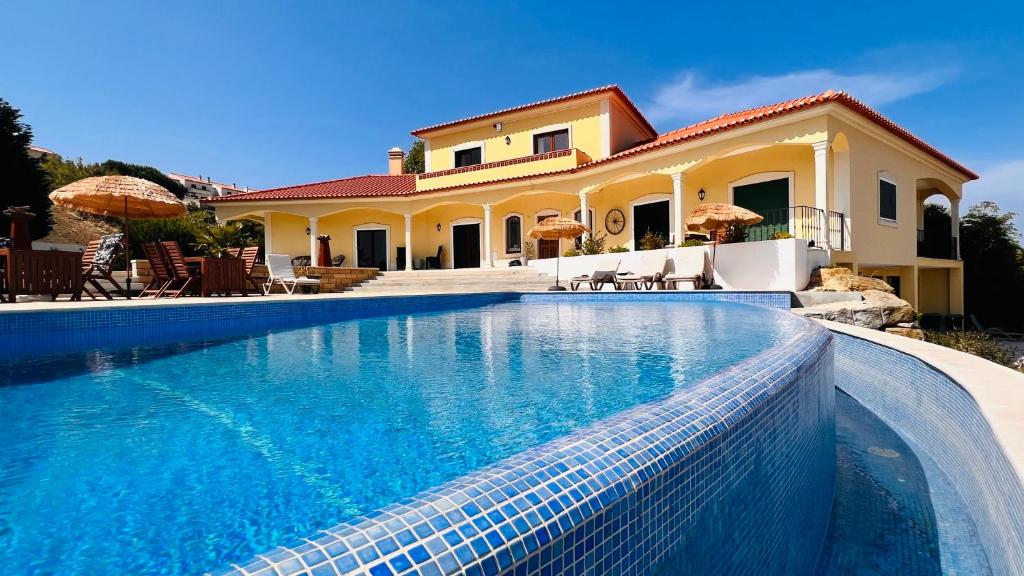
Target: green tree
[63, 172]
[22, 181]
[993, 266]
[111, 167]
[937, 219]
[414, 161]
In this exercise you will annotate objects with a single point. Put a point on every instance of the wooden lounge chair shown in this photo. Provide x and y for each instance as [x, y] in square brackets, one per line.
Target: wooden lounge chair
[282, 272]
[97, 265]
[997, 333]
[604, 273]
[181, 277]
[689, 267]
[434, 261]
[162, 277]
[648, 272]
[249, 254]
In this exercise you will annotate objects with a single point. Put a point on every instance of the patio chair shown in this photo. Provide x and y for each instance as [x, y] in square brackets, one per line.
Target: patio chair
[162, 277]
[689, 267]
[337, 261]
[648, 272]
[604, 273]
[997, 333]
[434, 261]
[181, 277]
[283, 273]
[249, 254]
[97, 264]
[302, 261]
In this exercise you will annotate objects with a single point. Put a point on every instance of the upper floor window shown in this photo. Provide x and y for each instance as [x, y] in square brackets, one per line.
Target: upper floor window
[468, 157]
[886, 197]
[551, 141]
[513, 234]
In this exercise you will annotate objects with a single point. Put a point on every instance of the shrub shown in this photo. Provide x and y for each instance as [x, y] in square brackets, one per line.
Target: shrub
[571, 251]
[975, 343]
[593, 245]
[692, 242]
[652, 241]
[214, 239]
[528, 250]
[734, 233]
[617, 249]
[781, 236]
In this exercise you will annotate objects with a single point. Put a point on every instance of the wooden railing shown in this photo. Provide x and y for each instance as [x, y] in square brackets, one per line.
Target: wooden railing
[46, 272]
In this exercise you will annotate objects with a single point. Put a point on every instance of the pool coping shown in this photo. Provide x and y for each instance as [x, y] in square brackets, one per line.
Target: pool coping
[997, 390]
[545, 491]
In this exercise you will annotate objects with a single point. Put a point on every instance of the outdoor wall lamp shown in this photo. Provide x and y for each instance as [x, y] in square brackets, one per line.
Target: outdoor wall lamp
[700, 194]
[508, 140]
[438, 226]
[308, 231]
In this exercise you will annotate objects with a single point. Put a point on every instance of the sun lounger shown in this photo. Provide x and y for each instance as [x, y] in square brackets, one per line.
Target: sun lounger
[249, 254]
[604, 273]
[689, 267]
[159, 268]
[997, 333]
[97, 265]
[282, 272]
[181, 277]
[648, 272]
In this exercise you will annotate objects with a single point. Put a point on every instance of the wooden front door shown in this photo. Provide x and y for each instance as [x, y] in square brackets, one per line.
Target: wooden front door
[466, 246]
[546, 248]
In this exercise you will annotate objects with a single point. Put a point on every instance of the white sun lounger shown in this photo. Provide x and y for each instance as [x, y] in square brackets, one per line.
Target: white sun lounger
[689, 267]
[605, 269]
[648, 271]
[282, 272]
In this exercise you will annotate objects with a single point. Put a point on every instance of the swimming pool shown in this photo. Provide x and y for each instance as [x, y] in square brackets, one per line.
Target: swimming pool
[175, 458]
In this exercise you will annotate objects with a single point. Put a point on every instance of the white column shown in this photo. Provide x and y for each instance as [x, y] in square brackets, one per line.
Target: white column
[821, 187]
[584, 213]
[312, 240]
[408, 241]
[268, 247]
[954, 216]
[488, 261]
[678, 223]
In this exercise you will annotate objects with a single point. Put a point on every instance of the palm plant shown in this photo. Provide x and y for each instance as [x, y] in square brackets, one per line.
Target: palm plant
[215, 239]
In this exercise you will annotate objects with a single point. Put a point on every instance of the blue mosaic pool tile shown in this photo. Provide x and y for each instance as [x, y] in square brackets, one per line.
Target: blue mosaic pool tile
[947, 430]
[728, 476]
[770, 299]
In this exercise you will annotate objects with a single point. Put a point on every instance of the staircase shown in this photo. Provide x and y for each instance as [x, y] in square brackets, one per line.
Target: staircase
[516, 279]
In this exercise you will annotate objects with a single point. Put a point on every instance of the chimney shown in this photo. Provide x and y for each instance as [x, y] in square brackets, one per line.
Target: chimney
[396, 161]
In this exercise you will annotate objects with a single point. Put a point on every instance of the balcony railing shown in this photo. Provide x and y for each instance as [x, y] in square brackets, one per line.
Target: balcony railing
[936, 244]
[804, 222]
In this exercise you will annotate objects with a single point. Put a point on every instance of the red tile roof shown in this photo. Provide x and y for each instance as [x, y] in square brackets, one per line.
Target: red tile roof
[372, 185]
[405, 184]
[612, 88]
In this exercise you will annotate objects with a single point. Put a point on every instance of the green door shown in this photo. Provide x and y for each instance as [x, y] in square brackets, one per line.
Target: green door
[769, 199]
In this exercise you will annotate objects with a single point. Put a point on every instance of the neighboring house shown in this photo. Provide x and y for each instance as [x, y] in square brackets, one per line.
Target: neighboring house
[198, 189]
[825, 168]
[40, 152]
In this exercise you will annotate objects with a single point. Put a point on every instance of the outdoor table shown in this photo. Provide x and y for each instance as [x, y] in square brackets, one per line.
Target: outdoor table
[220, 275]
[33, 272]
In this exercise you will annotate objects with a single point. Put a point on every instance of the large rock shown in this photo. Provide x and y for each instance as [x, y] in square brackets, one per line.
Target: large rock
[915, 333]
[844, 280]
[875, 310]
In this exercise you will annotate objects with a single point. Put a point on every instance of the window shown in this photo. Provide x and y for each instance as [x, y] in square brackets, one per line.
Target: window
[513, 235]
[551, 141]
[468, 157]
[886, 198]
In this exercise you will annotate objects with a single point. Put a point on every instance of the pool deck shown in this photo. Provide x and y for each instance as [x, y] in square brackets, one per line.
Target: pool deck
[999, 391]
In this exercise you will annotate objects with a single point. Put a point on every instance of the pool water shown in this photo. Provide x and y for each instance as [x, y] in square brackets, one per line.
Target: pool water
[176, 459]
[893, 514]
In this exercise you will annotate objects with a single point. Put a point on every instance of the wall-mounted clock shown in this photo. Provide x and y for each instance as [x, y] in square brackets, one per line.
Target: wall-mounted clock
[614, 221]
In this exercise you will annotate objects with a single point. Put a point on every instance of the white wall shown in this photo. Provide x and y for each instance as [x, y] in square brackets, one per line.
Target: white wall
[769, 265]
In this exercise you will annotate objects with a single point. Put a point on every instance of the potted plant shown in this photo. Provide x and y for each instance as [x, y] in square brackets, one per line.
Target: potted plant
[528, 252]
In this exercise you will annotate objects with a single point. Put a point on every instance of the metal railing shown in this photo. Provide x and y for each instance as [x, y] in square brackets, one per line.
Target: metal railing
[936, 244]
[804, 222]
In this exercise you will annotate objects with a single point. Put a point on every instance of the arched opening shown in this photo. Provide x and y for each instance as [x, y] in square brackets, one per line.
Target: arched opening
[937, 219]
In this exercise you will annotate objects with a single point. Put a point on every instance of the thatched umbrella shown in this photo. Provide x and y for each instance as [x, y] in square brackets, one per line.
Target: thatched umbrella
[717, 216]
[124, 196]
[556, 228]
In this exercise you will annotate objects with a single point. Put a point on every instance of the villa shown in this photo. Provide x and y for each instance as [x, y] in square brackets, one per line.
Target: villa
[843, 184]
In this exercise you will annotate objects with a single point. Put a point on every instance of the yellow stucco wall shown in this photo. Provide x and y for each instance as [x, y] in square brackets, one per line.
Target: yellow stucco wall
[288, 234]
[584, 134]
[341, 228]
[933, 290]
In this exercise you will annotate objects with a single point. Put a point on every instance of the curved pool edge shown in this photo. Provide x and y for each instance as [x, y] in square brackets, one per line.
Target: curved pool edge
[686, 482]
[961, 412]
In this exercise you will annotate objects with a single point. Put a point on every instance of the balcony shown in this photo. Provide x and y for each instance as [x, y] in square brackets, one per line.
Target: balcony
[935, 244]
[503, 169]
[805, 222]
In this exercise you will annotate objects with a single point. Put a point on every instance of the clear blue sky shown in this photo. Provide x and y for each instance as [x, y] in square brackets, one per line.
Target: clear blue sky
[274, 93]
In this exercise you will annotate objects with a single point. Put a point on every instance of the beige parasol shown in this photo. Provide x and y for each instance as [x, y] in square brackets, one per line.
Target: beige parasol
[124, 196]
[718, 216]
[556, 228]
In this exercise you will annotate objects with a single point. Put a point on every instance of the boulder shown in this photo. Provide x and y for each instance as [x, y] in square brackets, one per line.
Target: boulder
[915, 333]
[844, 280]
[875, 310]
